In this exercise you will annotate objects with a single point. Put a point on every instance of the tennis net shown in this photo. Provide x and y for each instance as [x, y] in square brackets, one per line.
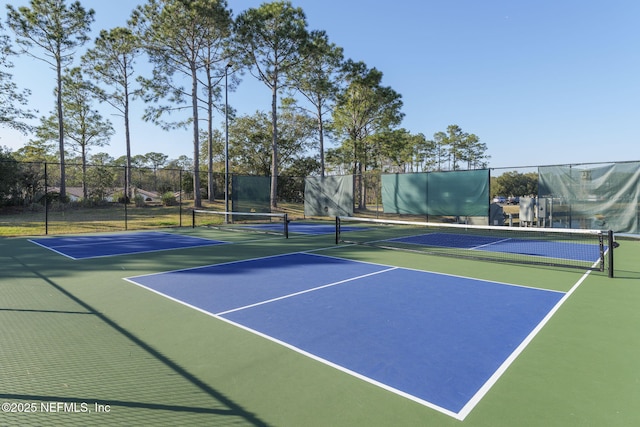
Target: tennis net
[258, 222]
[584, 249]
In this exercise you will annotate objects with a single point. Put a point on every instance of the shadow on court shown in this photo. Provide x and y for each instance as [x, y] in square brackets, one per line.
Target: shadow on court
[68, 363]
[74, 332]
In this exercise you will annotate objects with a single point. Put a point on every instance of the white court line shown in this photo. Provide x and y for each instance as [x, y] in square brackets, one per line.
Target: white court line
[52, 250]
[466, 409]
[489, 244]
[513, 356]
[305, 291]
[297, 349]
[90, 244]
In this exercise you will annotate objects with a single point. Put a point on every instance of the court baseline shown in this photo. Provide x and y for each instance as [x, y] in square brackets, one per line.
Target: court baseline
[83, 247]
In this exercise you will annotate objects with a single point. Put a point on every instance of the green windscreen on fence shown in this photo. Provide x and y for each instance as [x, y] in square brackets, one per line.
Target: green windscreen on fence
[405, 193]
[453, 193]
[602, 197]
[251, 193]
[463, 193]
[328, 196]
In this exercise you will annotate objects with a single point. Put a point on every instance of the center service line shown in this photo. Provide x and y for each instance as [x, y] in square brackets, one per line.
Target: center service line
[305, 291]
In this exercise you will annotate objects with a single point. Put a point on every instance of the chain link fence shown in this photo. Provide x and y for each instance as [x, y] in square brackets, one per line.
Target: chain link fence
[34, 199]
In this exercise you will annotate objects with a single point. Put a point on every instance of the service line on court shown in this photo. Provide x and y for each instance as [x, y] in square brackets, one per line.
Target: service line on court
[351, 279]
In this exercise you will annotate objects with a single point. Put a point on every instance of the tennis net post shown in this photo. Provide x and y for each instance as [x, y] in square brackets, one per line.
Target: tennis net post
[612, 245]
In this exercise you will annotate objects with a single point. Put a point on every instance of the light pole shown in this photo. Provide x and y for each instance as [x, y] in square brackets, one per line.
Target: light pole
[226, 143]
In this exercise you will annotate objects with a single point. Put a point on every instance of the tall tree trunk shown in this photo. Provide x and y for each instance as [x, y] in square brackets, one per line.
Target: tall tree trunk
[197, 198]
[321, 139]
[211, 185]
[85, 190]
[63, 184]
[274, 148]
[127, 137]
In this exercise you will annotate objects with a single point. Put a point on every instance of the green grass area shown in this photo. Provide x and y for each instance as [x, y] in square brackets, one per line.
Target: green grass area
[74, 219]
[76, 332]
[90, 219]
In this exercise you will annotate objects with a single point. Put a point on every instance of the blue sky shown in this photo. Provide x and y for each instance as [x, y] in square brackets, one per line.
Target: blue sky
[540, 82]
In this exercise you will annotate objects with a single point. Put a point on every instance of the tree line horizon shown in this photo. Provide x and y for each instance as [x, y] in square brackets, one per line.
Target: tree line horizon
[198, 51]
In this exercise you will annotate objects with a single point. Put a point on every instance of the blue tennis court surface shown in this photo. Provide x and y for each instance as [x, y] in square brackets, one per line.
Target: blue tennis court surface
[80, 247]
[541, 248]
[436, 339]
[303, 228]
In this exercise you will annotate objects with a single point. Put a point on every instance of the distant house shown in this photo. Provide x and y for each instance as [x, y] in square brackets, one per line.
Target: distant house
[76, 194]
[152, 196]
[149, 196]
